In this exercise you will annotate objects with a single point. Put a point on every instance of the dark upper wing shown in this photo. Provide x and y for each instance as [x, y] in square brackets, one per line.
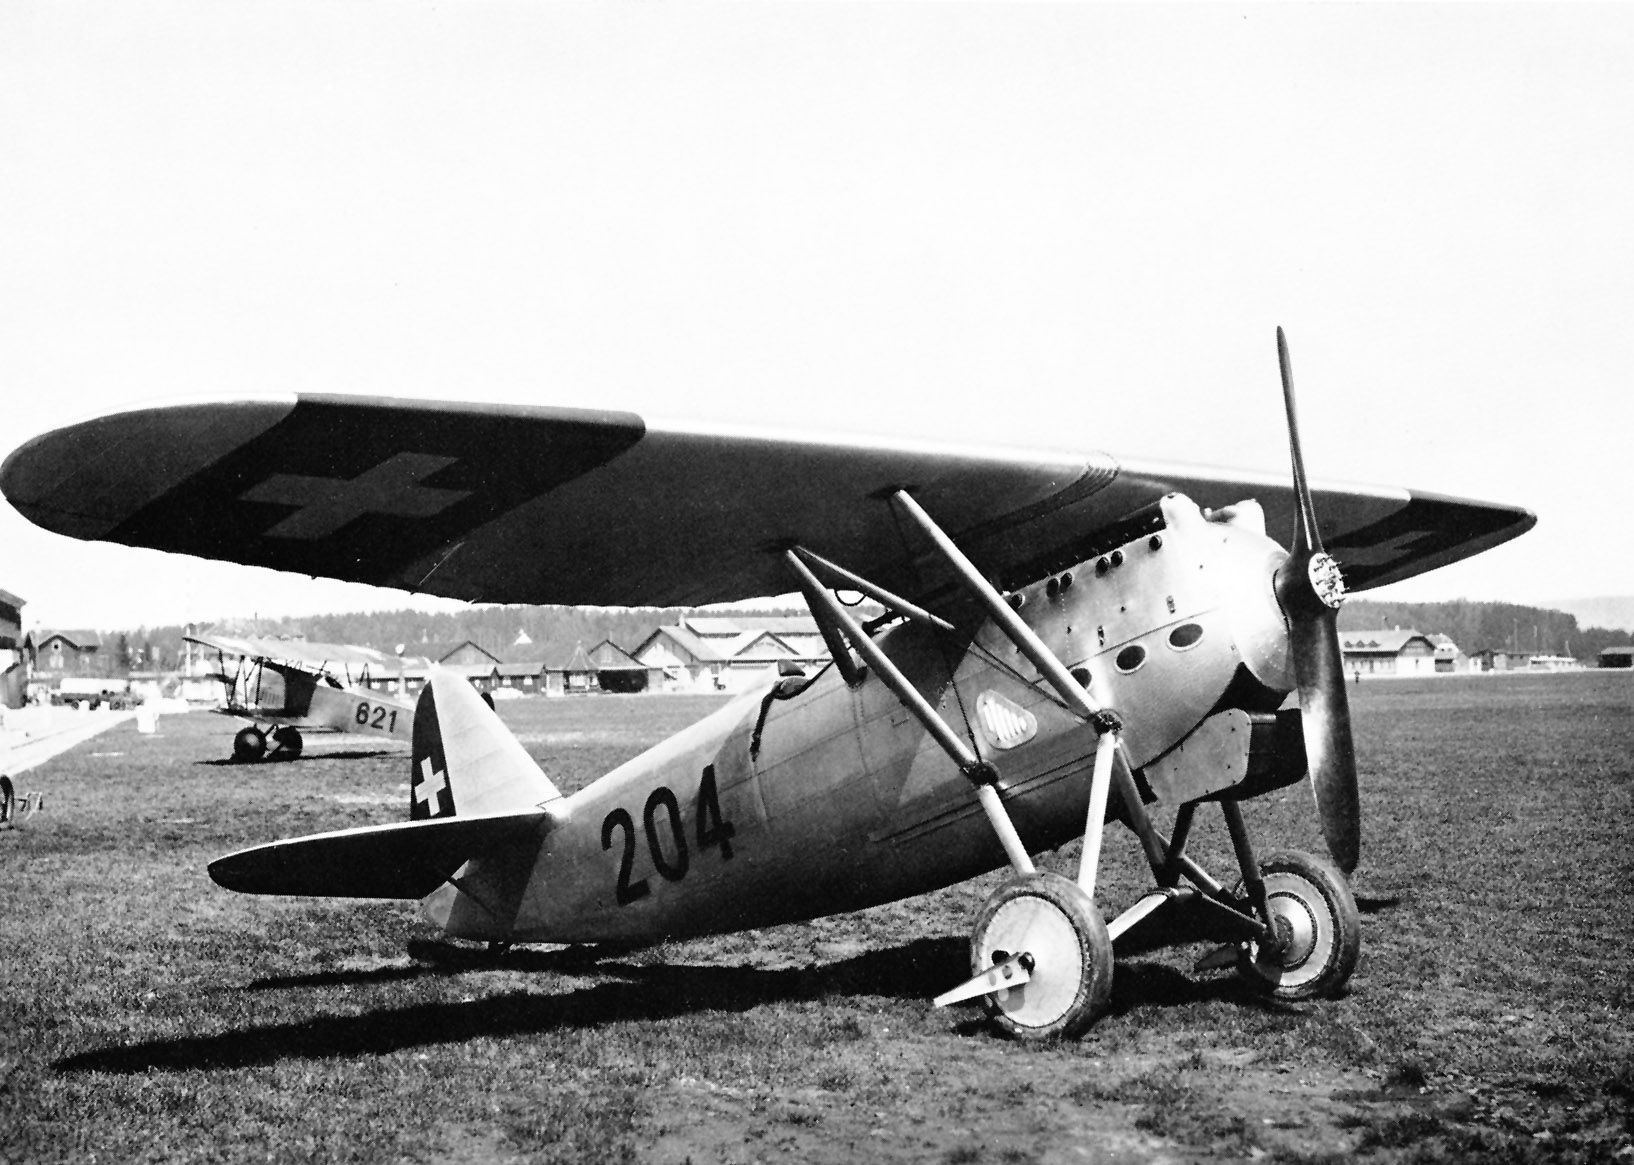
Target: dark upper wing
[539, 505]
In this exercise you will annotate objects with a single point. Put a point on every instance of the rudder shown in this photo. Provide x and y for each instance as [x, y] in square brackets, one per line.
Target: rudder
[465, 761]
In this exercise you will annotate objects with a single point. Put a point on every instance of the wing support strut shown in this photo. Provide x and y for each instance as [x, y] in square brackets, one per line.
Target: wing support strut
[1106, 722]
[1169, 862]
[981, 773]
[1110, 769]
[833, 624]
[879, 594]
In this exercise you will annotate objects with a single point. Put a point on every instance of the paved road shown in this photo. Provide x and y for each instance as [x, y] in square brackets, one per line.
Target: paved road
[32, 736]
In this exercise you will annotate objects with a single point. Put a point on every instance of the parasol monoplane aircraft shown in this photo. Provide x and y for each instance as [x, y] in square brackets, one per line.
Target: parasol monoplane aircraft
[1066, 640]
[286, 686]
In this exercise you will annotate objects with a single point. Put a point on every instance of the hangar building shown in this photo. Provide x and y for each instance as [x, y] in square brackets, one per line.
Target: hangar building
[56, 654]
[733, 652]
[1617, 657]
[13, 669]
[1396, 652]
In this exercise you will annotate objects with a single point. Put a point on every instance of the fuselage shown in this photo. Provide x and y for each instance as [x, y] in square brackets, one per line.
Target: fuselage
[816, 796]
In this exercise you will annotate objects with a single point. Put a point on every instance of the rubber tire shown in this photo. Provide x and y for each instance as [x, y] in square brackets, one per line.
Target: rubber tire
[287, 742]
[8, 799]
[1306, 891]
[1069, 916]
[249, 746]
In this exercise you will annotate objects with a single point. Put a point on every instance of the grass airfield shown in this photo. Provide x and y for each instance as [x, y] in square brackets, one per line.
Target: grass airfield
[149, 1015]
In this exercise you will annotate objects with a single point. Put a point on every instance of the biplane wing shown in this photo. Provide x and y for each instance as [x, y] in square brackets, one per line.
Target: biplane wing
[337, 659]
[521, 504]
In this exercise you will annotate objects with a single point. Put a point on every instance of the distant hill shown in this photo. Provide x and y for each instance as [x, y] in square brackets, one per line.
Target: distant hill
[1614, 611]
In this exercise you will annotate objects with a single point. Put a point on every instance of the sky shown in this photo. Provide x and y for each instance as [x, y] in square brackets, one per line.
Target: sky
[1027, 225]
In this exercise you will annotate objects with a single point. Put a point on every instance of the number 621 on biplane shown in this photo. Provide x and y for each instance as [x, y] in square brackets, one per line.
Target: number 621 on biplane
[285, 687]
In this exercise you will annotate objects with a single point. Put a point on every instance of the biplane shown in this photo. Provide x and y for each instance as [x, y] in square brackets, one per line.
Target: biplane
[285, 687]
[1065, 641]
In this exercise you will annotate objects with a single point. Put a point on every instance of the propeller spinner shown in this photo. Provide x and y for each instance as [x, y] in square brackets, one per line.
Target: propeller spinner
[1311, 591]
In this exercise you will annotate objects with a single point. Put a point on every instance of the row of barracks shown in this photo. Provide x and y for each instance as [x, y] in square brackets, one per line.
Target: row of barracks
[696, 654]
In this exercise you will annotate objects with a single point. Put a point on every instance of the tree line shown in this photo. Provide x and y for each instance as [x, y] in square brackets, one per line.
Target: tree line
[554, 631]
[1476, 626]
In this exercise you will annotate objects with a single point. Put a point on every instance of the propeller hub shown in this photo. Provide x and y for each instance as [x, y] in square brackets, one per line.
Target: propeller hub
[1309, 583]
[1327, 584]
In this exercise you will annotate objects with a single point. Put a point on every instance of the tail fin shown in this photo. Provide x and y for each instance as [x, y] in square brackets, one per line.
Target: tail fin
[466, 762]
[462, 755]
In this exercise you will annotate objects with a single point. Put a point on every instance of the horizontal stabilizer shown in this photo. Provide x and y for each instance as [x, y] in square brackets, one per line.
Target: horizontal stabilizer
[406, 859]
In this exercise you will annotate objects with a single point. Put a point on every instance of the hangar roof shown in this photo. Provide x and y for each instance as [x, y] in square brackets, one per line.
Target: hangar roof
[1381, 642]
[609, 656]
[78, 637]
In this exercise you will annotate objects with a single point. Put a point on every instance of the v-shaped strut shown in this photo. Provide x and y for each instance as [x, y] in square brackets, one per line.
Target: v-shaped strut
[842, 634]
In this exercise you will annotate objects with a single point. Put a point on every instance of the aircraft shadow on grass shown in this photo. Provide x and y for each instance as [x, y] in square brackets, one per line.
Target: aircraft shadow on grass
[351, 754]
[1366, 905]
[641, 993]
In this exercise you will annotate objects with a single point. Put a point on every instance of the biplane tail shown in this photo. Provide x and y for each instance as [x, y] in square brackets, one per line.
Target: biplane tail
[477, 802]
[465, 760]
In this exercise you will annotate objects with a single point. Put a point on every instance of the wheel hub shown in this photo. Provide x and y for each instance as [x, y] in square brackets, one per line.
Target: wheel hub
[1043, 931]
[1037, 926]
[1295, 928]
[1315, 931]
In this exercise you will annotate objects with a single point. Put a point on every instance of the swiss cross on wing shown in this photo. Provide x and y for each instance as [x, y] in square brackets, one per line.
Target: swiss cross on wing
[1388, 551]
[324, 505]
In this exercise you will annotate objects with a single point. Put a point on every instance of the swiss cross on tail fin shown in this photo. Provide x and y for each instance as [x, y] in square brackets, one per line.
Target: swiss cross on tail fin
[430, 794]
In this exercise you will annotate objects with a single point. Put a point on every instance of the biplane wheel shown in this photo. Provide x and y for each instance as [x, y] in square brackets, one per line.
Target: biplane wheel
[8, 799]
[249, 745]
[1048, 917]
[287, 742]
[1315, 913]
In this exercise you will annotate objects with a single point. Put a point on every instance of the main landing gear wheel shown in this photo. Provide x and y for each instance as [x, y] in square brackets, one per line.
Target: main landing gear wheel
[1315, 916]
[287, 742]
[249, 745]
[1047, 917]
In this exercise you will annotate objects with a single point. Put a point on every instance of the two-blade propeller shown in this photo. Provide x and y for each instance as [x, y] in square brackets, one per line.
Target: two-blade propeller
[1310, 590]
